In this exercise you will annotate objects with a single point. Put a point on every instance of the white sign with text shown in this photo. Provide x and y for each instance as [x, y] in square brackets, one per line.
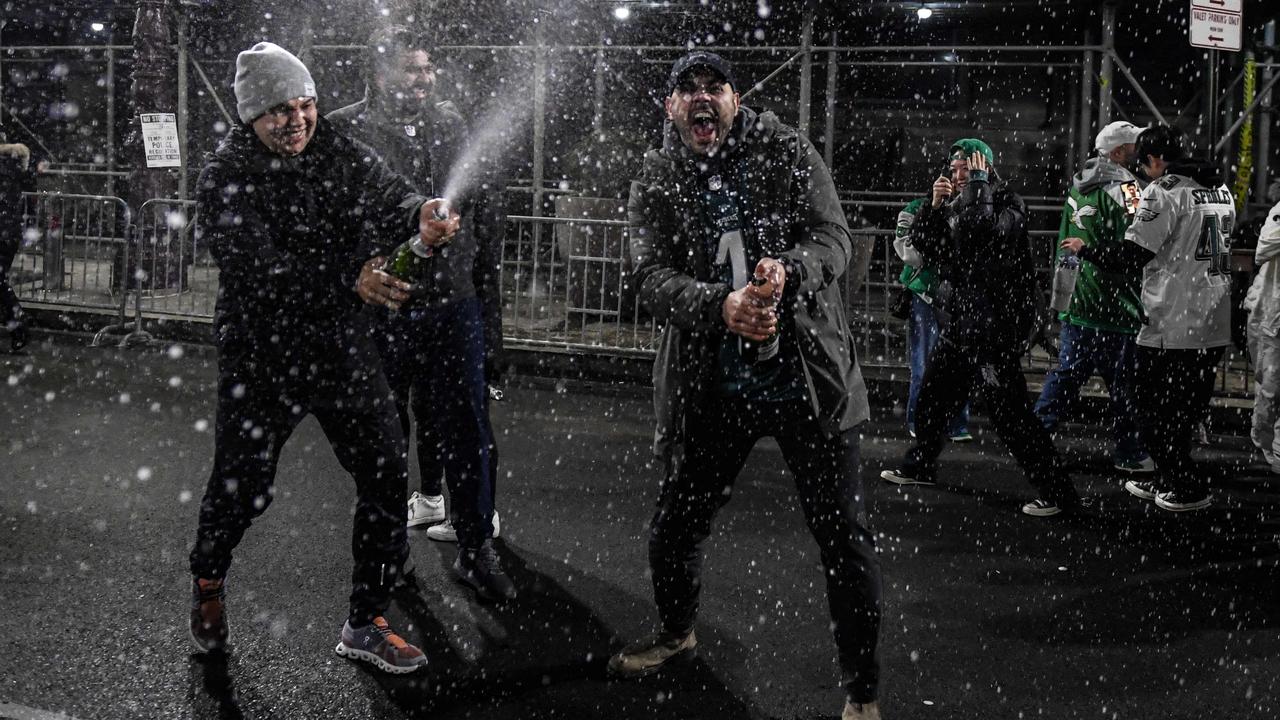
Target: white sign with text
[1216, 24]
[160, 140]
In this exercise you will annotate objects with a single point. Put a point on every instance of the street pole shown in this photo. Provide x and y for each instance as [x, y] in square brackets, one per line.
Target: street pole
[152, 91]
[1107, 74]
[1264, 114]
[806, 69]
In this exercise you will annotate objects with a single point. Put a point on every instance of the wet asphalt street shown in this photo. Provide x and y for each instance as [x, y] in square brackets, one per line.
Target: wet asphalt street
[1125, 612]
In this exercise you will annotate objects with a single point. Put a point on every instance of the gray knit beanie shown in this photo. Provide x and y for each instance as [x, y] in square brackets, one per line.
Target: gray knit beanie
[267, 75]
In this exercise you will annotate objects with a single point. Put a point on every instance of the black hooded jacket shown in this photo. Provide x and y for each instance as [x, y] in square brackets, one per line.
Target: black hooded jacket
[16, 177]
[285, 232]
[426, 152]
[980, 245]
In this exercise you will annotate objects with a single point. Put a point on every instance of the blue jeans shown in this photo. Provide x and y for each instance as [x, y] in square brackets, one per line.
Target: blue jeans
[922, 335]
[434, 360]
[1083, 352]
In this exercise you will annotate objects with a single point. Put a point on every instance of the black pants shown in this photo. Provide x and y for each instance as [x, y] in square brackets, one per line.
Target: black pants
[258, 409]
[1174, 388]
[434, 360]
[698, 483]
[951, 374]
[10, 309]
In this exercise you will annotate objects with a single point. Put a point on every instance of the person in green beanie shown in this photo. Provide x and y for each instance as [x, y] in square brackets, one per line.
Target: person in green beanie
[974, 231]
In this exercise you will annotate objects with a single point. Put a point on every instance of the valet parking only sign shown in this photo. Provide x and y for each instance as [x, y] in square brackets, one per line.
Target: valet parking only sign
[160, 140]
[1216, 24]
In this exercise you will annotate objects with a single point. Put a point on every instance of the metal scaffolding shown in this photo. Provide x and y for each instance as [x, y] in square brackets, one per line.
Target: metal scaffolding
[1092, 65]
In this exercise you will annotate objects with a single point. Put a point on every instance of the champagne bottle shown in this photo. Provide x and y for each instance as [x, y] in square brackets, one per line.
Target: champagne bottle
[755, 352]
[409, 261]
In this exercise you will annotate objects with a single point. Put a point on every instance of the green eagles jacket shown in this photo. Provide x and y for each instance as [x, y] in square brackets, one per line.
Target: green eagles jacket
[1098, 211]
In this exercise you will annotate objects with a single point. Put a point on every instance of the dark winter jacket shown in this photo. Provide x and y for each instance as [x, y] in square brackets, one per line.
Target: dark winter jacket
[980, 245]
[426, 151]
[793, 215]
[16, 177]
[285, 232]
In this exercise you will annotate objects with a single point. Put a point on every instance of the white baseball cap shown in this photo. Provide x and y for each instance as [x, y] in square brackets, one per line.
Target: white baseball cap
[1120, 132]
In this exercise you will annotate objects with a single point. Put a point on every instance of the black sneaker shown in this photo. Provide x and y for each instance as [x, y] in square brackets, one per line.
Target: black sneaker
[481, 569]
[209, 630]
[1144, 489]
[1042, 508]
[902, 477]
[1183, 500]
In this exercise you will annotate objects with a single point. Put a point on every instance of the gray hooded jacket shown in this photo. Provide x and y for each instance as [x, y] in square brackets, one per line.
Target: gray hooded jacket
[794, 215]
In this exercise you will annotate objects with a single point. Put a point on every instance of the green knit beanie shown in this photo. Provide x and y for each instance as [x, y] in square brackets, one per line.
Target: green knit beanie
[964, 147]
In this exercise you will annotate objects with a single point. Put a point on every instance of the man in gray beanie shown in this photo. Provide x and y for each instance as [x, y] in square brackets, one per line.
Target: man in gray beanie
[286, 205]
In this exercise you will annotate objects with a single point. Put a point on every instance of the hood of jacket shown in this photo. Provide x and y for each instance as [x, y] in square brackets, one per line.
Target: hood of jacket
[1204, 172]
[16, 153]
[1100, 172]
[242, 149]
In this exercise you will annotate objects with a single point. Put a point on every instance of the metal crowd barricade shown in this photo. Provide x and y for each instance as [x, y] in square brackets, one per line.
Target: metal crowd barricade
[73, 254]
[176, 279]
[566, 285]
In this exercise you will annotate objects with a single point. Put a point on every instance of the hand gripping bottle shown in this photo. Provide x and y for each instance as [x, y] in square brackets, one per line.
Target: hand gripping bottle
[752, 351]
[409, 261]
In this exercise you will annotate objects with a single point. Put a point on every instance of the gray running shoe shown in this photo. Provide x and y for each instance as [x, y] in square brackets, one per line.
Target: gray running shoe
[378, 645]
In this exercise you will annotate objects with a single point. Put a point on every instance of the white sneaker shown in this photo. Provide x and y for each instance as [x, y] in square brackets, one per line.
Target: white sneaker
[444, 532]
[425, 509]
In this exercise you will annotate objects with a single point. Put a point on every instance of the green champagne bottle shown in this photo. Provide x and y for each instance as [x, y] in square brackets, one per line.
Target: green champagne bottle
[409, 261]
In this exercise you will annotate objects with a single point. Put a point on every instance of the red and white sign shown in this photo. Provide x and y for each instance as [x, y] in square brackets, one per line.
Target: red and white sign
[1216, 24]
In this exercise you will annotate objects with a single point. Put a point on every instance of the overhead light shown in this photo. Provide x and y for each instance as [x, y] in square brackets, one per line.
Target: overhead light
[97, 27]
[924, 13]
[622, 12]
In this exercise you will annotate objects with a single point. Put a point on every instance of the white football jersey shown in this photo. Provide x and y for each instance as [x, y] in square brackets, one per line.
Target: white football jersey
[1186, 287]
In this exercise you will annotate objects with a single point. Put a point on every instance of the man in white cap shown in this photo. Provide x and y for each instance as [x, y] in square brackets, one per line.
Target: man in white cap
[1103, 315]
[284, 204]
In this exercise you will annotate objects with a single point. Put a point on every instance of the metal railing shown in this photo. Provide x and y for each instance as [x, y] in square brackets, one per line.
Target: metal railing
[566, 283]
[74, 251]
[177, 278]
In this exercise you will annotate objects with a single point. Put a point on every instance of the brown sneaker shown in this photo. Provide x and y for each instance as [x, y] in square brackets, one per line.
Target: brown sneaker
[860, 711]
[378, 644]
[209, 629]
[648, 655]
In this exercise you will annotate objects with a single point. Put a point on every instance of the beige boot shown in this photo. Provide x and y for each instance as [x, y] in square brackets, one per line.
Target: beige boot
[647, 656]
[861, 711]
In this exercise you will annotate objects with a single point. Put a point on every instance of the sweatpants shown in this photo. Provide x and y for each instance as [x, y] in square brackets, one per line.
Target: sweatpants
[260, 403]
[953, 373]
[1265, 352]
[699, 479]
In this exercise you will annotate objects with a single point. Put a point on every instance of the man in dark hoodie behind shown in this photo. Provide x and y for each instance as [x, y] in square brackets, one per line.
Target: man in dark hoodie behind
[284, 204]
[1180, 241]
[440, 341]
[739, 243]
[1103, 315]
[978, 240]
[16, 177]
